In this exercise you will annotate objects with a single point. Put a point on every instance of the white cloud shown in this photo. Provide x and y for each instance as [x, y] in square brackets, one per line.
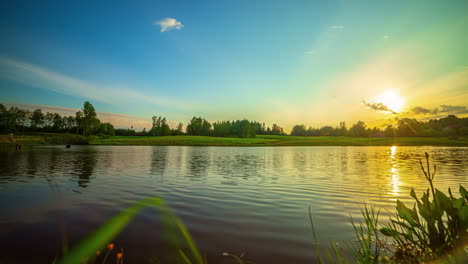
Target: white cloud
[310, 52]
[39, 77]
[386, 36]
[168, 24]
[337, 27]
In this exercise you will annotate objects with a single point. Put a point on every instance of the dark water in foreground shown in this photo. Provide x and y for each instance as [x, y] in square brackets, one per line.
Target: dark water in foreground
[232, 199]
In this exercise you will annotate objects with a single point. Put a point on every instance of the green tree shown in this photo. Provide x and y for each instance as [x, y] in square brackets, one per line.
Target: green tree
[156, 128]
[358, 130]
[79, 121]
[298, 130]
[37, 119]
[245, 129]
[179, 129]
[58, 123]
[90, 121]
[277, 130]
[165, 129]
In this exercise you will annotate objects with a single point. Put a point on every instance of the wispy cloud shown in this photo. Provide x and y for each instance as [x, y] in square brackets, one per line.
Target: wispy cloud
[310, 52]
[168, 24]
[386, 37]
[39, 77]
[437, 112]
[336, 27]
[378, 106]
[419, 110]
[454, 109]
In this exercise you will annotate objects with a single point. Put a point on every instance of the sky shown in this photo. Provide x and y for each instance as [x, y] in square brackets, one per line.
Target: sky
[286, 62]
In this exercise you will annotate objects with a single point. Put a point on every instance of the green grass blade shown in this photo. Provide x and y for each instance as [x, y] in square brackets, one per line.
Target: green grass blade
[107, 232]
[184, 257]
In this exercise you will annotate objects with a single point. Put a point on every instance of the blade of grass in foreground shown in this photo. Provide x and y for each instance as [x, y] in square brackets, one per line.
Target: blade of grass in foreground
[109, 230]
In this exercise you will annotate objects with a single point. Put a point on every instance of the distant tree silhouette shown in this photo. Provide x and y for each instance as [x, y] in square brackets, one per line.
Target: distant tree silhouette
[299, 130]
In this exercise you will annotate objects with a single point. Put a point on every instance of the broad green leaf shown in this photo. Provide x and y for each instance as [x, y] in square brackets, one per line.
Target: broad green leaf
[406, 213]
[458, 203]
[413, 194]
[463, 192]
[464, 215]
[443, 200]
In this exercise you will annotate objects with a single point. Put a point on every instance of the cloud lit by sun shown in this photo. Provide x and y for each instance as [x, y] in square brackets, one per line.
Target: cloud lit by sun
[392, 100]
[387, 102]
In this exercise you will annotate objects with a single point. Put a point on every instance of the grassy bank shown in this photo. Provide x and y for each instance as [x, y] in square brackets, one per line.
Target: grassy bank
[45, 139]
[279, 141]
[260, 140]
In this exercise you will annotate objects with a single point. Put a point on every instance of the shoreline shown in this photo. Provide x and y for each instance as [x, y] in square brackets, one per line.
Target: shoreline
[258, 141]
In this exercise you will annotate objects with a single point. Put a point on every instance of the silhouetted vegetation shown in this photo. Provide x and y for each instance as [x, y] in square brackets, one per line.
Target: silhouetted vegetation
[85, 121]
[450, 126]
[198, 126]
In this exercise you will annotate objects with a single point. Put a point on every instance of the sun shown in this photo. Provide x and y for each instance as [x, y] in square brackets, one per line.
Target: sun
[391, 100]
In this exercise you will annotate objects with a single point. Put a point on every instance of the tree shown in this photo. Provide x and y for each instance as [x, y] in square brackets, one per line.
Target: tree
[160, 127]
[408, 127]
[298, 130]
[195, 126]
[358, 130]
[78, 121]
[165, 129]
[245, 129]
[327, 131]
[57, 123]
[90, 121]
[179, 130]
[156, 127]
[106, 129]
[342, 131]
[277, 130]
[37, 119]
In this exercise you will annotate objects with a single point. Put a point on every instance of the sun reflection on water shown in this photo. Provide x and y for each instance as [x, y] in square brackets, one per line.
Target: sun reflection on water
[394, 173]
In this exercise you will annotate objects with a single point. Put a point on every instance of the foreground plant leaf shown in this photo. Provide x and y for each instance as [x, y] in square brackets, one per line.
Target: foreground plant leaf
[109, 230]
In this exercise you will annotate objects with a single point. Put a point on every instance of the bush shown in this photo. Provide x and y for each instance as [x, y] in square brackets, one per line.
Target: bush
[434, 228]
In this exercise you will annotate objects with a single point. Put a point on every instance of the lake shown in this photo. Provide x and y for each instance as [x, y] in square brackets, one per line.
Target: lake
[232, 199]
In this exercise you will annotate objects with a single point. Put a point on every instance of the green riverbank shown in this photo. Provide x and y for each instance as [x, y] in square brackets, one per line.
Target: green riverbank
[259, 140]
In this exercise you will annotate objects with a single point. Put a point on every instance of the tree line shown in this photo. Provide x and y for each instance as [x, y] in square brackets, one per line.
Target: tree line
[199, 126]
[449, 126]
[85, 121]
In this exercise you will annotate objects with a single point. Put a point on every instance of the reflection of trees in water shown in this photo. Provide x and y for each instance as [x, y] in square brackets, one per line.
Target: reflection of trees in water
[33, 163]
[9, 161]
[159, 161]
[246, 164]
[242, 165]
[84, 166]
[197, 163]
[56, 160]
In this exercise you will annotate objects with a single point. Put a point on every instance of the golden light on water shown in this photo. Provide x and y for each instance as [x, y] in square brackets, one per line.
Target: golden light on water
[391, 100]
[394, 172]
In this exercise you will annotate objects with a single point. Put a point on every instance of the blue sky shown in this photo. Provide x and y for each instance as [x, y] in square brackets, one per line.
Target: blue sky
[289, 62]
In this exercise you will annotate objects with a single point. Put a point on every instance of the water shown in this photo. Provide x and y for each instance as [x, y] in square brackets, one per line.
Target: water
[232, 199]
